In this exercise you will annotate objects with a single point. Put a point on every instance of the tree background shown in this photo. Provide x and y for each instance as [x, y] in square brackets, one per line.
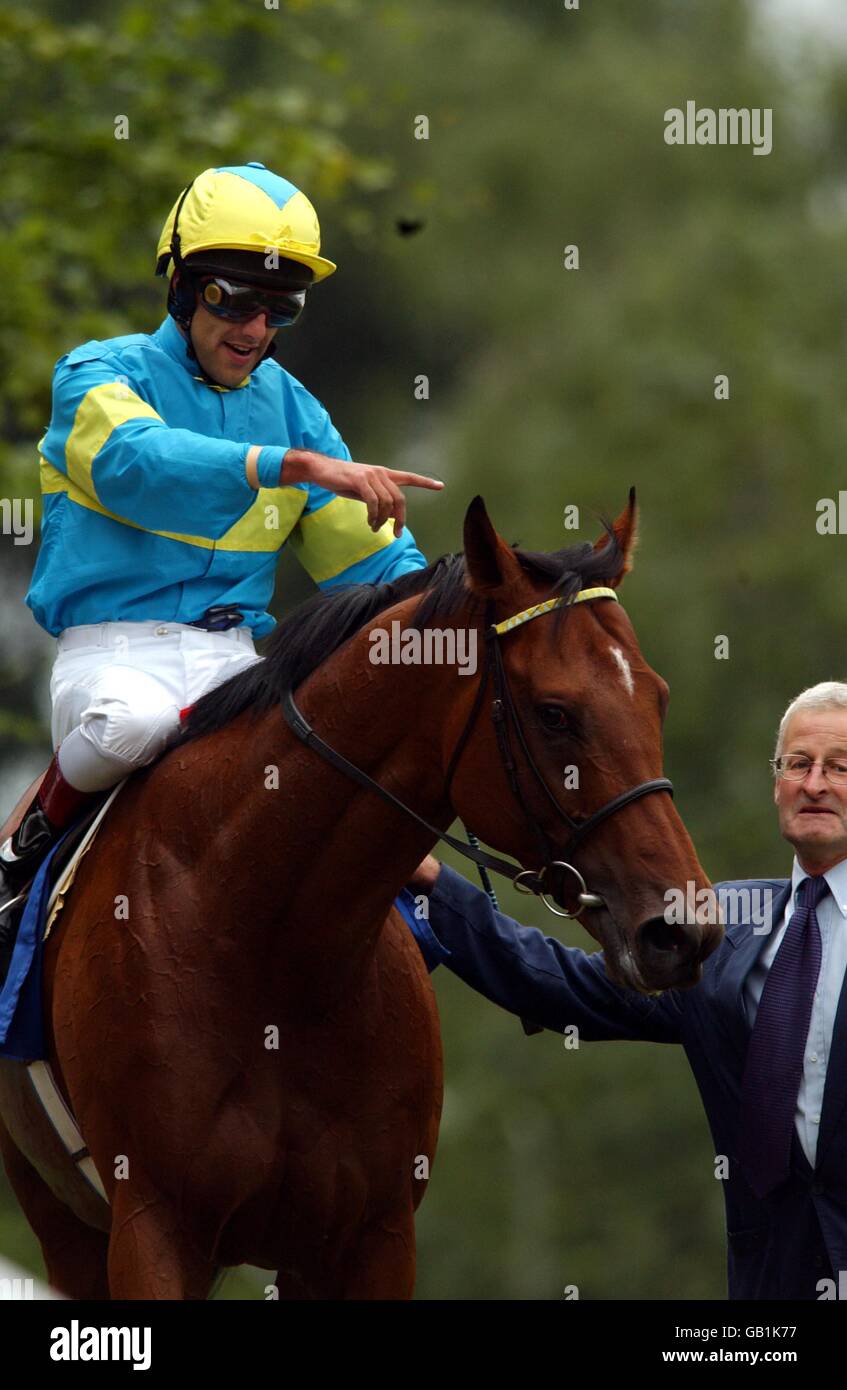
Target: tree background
[548, 387]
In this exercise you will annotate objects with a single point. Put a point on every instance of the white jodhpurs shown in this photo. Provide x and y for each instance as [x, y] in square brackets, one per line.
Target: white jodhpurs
[117, 690]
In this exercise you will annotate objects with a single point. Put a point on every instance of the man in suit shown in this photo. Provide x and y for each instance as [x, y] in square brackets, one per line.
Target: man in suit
[765, 1029]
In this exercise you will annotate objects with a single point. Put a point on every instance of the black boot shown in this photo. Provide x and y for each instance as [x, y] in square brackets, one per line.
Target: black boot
[20, 857]
[55, 806]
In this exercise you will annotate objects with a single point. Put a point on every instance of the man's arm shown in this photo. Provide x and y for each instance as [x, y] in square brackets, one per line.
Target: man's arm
[533, 975]
[116, 451]
[119, 454]
[337, 539]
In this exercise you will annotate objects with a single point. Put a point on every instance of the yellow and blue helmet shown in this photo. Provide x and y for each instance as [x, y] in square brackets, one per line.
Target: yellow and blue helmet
[247, 210]
[243, 221]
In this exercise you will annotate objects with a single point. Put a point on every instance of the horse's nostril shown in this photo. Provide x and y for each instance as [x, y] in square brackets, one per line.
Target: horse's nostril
[659, 935]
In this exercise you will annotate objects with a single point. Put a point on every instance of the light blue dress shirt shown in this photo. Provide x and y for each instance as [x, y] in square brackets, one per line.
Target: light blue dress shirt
[832, 920]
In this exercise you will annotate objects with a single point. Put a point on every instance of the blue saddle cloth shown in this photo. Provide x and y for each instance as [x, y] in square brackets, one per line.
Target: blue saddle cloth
[22, 1034]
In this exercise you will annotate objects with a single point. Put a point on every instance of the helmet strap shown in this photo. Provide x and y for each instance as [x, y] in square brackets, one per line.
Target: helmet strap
[176, 241]
[181, 298]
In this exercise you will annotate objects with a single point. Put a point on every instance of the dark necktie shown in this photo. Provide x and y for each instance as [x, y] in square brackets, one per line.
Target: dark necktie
[774, 1065]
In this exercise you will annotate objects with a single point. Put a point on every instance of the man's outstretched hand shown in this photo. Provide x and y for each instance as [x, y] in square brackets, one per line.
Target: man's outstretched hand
[378, 488]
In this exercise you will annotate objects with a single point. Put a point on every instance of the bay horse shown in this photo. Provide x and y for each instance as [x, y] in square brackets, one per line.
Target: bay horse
[251, 1047]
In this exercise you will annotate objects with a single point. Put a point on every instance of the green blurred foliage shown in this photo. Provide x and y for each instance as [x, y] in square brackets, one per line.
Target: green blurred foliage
[548, 387]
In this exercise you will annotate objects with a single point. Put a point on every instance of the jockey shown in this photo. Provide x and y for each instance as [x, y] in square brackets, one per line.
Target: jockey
[175, 467]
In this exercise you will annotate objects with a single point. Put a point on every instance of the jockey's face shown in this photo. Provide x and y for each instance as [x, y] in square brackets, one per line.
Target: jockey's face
[216, 342]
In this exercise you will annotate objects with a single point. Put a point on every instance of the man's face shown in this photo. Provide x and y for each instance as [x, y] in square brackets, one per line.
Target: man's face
[813, 813]
[216, 343]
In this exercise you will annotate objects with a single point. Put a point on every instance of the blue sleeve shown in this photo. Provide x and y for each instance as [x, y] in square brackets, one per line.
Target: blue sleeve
[315, 431]
[118, 452]
[535, 976]
[332, 539]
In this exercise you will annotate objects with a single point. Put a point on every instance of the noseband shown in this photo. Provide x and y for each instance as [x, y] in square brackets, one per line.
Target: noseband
[503, 714]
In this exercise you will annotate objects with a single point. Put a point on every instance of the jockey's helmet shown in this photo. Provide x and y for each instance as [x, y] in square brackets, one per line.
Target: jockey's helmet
[245, 222]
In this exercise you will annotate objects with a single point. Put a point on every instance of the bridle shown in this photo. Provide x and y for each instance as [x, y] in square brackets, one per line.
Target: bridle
[503, 712]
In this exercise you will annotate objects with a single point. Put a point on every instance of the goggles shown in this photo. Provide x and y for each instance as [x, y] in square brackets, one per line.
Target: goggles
[227, 299]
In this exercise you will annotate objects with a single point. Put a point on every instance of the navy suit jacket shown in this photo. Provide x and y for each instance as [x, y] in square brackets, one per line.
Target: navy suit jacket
[778, 1247]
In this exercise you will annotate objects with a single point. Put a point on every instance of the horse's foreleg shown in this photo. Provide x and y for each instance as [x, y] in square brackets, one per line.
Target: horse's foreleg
[383, 1265]
[151, 1255]
[74, 1253]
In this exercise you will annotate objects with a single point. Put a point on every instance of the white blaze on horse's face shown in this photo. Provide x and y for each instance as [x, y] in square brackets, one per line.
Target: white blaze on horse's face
[624, 668]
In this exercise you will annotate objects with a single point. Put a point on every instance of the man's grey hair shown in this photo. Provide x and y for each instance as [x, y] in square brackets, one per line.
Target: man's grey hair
[825, 695]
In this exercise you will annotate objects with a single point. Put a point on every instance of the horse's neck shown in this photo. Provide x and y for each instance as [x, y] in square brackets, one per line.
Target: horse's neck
[335, 854]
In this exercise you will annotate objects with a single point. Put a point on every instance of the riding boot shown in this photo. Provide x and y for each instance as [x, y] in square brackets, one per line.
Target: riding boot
[53, 808]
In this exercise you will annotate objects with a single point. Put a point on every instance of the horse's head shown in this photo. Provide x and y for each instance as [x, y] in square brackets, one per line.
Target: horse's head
[575, 697]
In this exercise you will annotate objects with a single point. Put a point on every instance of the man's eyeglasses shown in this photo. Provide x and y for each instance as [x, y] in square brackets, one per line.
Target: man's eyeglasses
[227, 299]
[795, 766]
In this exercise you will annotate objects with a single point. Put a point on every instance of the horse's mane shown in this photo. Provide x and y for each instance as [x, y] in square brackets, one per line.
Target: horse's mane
[318, 627]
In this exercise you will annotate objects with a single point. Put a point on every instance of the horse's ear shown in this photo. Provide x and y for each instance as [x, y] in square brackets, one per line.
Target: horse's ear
[489, 561]
[626, 534]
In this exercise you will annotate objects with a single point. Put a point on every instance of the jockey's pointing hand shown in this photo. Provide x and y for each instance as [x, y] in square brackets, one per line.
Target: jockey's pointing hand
[378, 488]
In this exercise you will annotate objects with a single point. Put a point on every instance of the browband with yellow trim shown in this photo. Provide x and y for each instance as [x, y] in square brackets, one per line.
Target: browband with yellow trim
[538, 608]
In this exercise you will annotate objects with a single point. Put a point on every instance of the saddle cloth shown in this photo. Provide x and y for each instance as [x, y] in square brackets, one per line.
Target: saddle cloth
[22, 1035]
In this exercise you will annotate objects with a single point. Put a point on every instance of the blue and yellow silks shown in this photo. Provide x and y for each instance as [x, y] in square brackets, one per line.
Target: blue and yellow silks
[148, 514]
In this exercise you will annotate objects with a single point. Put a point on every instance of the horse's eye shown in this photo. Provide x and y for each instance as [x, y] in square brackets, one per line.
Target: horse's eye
[553, 717]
